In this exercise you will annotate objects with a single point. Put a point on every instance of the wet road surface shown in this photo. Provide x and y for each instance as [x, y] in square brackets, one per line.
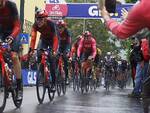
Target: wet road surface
[100, 101]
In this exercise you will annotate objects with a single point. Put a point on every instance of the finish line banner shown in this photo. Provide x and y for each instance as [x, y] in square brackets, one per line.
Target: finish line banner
[81, 10]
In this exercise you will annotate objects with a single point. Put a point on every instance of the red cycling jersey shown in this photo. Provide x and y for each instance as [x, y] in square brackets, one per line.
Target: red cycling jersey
[48, 33]
[74, 47]
[65, 38]
[87, 46]
[138, 18]
[9, 19]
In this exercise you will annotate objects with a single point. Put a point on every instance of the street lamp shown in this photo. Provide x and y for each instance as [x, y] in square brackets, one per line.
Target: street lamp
[84, 21]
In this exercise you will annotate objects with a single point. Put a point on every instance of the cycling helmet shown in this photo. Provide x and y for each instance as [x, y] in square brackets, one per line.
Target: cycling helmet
[41, 14]
[99, 52]
[108, 53]
[61, 23]
[79, 37]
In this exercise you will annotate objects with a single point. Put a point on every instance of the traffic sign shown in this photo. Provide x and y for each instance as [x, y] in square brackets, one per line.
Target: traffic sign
[24, 38]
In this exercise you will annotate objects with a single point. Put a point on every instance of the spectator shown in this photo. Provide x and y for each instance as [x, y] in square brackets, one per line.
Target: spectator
[139, 60]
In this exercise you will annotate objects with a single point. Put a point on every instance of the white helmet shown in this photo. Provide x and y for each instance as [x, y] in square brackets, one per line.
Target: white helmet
[108, 53]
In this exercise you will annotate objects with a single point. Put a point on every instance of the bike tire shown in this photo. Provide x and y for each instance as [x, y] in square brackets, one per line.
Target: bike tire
[82, 82]
[94, 84]
[87, 85]
[3, 94]
[78, 83]
[74, 83]
[51, 94]
[17, 103]
[58, 84]
[58, 89]
[40, 82]
[64, 88]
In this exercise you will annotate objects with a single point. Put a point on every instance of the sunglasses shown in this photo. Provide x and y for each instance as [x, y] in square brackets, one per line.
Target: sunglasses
[60, 27]
[40, 19]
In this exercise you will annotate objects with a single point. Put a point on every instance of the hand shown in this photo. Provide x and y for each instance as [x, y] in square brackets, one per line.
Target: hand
[9, 40]
[105, 14]
[70, 59]
[90, 58]
[54, 53]
[68, 54]
[124, 13]
[31, 52]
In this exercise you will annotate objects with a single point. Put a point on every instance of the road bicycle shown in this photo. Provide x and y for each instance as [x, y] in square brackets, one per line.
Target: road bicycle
[7, 77]
[76, 75]
[61, 77]
[44, 77]
[86, 75]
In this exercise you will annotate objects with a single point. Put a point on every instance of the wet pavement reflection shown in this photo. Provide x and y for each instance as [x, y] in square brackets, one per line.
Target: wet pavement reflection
[100, 101]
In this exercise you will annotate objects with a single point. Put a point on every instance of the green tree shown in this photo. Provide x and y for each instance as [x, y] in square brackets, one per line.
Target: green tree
[131, 1]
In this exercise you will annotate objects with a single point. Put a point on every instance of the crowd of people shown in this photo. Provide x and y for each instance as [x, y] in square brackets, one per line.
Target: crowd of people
[56, 37]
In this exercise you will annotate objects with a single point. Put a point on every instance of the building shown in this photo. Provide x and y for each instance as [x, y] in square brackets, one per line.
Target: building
[29, 13]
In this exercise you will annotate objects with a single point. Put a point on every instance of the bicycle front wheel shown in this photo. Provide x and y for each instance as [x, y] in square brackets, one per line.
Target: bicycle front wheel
[40, 84]
[3, 93]
[15, 93]
[64, 86]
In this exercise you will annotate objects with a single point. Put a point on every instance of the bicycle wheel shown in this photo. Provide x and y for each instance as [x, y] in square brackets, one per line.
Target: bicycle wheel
[75, 78]
[3, 94]
[107, 81]
[63, 85]
[82, 84]
[88, 79]
[51, 94]
[58, 84]
[40, 84]
[15, 93]
[74, 83]
[87, 85]
[93, 84]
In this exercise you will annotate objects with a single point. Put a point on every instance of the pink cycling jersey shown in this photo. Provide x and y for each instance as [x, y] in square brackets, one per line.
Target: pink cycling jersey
[138, 18]
[86, 46]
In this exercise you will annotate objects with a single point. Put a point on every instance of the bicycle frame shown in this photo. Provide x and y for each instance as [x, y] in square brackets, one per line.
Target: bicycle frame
[60, 64]
[86, 66]
[43, 61]
[5, 74]
[77, 70]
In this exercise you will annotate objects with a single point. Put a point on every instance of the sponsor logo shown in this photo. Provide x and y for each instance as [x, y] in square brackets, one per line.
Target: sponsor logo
[93, 11]
[31, 77]
[57, 9]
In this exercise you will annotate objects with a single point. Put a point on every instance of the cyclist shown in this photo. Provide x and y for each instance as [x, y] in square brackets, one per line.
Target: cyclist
[74, 48]
[64, 44]
[114, 65]
[97, 64]
[87, 47]
[97, 57]
[108, 66]
[9, 30]
[73, 53]
[123, 73]
[48, 38]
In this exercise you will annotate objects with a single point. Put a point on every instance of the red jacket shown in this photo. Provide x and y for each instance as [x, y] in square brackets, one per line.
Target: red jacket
[138, 18]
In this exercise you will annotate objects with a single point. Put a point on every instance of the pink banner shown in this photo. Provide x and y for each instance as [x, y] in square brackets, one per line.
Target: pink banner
[57, 9]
